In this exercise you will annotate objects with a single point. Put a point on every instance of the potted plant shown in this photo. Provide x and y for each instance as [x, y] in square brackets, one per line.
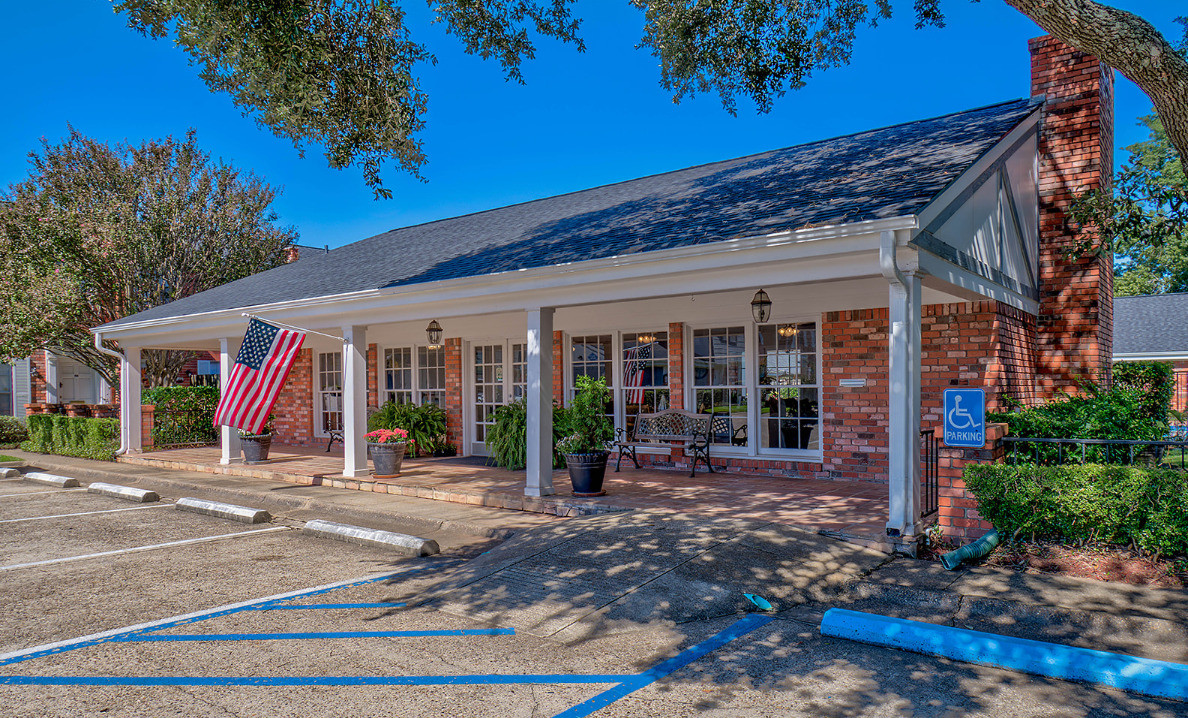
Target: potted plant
[386, 447]
[256, 446]
[589, 433]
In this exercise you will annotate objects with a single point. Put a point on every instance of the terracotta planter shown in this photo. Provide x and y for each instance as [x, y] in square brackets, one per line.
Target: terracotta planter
[255, 448]
[386, 458]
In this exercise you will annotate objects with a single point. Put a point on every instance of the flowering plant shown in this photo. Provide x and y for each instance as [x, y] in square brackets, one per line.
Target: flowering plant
[387, 436]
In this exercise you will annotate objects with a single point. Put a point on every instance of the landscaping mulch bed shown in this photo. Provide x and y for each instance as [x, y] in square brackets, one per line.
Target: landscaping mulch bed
[1104, 563]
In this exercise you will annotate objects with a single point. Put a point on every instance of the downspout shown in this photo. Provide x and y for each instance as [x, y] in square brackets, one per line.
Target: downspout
[887, 260]
[118, 357]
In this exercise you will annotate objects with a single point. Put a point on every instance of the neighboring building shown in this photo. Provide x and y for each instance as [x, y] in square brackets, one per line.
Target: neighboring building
[899, 262]
[1152, 327]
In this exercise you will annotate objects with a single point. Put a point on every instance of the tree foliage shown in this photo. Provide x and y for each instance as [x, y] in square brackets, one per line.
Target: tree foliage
[341, 74]
[97, 232]
[1144, 219]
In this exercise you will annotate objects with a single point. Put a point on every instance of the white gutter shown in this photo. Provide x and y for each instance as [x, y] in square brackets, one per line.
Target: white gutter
[120, 358]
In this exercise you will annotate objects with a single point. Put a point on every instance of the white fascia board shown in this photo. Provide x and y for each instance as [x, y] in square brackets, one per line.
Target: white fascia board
[977, 169]
[978, 286]
[1151, 356]
[717, 266]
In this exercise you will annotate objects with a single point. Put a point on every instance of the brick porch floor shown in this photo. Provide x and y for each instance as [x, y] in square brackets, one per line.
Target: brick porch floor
[853, 510]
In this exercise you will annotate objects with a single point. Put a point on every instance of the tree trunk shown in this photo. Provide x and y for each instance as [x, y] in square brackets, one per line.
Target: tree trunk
[162, 366]
[1130, 45]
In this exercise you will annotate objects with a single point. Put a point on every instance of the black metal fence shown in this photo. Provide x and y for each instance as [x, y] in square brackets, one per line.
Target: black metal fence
[929, 473]
[175, 428]
[1048, 452]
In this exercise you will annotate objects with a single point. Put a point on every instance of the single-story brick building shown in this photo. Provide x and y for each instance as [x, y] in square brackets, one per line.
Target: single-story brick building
[1151, 327]
[899, 262]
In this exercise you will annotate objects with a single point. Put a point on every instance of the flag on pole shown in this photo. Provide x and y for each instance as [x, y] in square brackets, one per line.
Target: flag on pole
[260, 370]
[638, 358]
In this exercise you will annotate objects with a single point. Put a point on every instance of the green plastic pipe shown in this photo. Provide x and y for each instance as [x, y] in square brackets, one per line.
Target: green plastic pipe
[953, 559]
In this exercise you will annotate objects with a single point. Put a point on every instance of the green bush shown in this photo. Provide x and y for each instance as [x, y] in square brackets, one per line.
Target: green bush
[73, 436]
[425, 424]
[507, 438]
[184, 415]
[589, 428]
[1155, 383]
[12, 431]
[1147, 507]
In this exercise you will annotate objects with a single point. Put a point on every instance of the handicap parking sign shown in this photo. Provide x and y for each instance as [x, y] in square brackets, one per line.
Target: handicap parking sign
[965, 418]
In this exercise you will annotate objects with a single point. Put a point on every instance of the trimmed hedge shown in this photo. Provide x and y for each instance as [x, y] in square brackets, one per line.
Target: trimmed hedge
[12, 431]
[1093, 502]
[73, 436]
[1154, 381]
[184, 414]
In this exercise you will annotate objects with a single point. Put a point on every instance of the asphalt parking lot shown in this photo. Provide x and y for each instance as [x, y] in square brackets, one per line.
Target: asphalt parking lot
[113, 608]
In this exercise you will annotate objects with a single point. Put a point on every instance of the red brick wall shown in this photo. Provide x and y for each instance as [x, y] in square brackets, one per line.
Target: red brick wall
[294, 411]
[373, 375]
[1012, 370]
[854, 420]
[37, 376]
[453, 401]
[1180, 395]
[559, 368]
[676, 365]
[1075, 327]
[957, 509]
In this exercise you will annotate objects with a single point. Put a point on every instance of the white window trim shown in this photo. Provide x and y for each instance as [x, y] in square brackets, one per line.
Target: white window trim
[381, 358]
[469, 385]
[320, 429]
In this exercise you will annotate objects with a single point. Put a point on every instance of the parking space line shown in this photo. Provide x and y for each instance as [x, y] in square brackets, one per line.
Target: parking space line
[736, 630]
[146, 638]
[85, 513]
[36, 493]
[477, 680]
[94, 639]
[314, 606]
[135, 549]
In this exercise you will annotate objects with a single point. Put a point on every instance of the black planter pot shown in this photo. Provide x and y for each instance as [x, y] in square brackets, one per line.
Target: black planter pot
[586, 472]
[386, 459]
[255, 448]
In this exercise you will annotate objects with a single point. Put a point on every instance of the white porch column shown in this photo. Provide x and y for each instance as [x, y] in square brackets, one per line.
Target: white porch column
[354, 401]
[130, 399]
[540, 402]
[228, 435]
[903, 508]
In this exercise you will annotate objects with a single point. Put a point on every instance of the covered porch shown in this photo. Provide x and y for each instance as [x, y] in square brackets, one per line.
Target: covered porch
[852, 510]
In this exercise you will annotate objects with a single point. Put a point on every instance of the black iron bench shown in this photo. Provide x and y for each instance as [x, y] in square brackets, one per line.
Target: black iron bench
[671, 425]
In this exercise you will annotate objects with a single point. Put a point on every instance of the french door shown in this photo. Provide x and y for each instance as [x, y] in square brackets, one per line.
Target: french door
[329, 398]
[500, 375]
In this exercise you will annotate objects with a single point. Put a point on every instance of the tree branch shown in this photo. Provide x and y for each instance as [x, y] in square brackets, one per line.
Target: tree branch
[1130, 45]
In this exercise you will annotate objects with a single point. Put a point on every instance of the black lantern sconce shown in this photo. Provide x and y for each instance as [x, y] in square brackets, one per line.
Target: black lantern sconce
[433, 331]
[761, 307]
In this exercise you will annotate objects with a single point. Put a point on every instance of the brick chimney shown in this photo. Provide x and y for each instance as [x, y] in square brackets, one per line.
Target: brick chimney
[292, 252]
[1075, 326]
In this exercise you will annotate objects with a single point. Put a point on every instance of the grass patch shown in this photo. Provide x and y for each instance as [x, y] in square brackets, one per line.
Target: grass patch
[6, 457]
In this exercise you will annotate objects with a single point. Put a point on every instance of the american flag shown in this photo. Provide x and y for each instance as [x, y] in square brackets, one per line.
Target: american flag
[260, 370]
[633, 373]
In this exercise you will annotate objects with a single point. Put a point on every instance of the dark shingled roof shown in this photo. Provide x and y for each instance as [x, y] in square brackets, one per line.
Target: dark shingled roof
[1151, 323]
[889, 172]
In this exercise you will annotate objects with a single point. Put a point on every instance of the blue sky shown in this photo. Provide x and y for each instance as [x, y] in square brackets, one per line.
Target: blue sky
[582, 119]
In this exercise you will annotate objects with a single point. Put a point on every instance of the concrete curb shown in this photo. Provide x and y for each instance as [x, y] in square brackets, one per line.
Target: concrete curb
[127, 493]
[174, 485]
[224, 511]
[411, 545]
[8, 473]
[62, 482]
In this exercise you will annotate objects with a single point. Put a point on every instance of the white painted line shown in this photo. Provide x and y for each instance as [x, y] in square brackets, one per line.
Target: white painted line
[84, 513]
[37, 493]
[411, 545]
[127, 493]
[224, 511]
[142, 548]
[188, 616]
[41, 477]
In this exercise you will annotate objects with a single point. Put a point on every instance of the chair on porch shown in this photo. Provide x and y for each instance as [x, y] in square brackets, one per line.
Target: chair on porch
[336, 434]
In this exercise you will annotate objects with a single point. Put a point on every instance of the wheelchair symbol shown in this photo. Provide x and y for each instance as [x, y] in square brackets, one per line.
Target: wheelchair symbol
[967, 420]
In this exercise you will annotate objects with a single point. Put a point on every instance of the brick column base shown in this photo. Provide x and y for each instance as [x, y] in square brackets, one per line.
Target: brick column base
[957, 508]
[146, 426]
[454, 393]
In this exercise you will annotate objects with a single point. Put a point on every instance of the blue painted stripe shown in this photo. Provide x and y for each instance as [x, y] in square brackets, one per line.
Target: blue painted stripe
[477, 680]
[157, 638]
[313, 606]
[216, 614]
[1140, 675]
[633, 683]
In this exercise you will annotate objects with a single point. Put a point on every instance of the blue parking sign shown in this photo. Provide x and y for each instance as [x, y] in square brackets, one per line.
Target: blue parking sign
[965, 418]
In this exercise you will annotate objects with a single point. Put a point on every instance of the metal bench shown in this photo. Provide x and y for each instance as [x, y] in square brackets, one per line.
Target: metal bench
[671, 425]
[336, 434]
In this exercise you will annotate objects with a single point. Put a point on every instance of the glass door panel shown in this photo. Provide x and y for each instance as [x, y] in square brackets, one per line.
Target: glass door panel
[489, 376]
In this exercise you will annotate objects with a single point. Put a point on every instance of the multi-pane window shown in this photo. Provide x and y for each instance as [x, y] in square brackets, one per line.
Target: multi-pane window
[519, 371]
[398, 375]
[645, 375]
[720, 381]
[431, 375]
[592, 356]
[488, 387]
[330, 392]
[789, 393]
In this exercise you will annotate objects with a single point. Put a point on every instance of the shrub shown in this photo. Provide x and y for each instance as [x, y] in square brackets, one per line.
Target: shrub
[1114, 504]
[73, 436]
[589, 428]
[183, 415]
[12, 431]
[426, 425]
[1154, 382]
[507, 438]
